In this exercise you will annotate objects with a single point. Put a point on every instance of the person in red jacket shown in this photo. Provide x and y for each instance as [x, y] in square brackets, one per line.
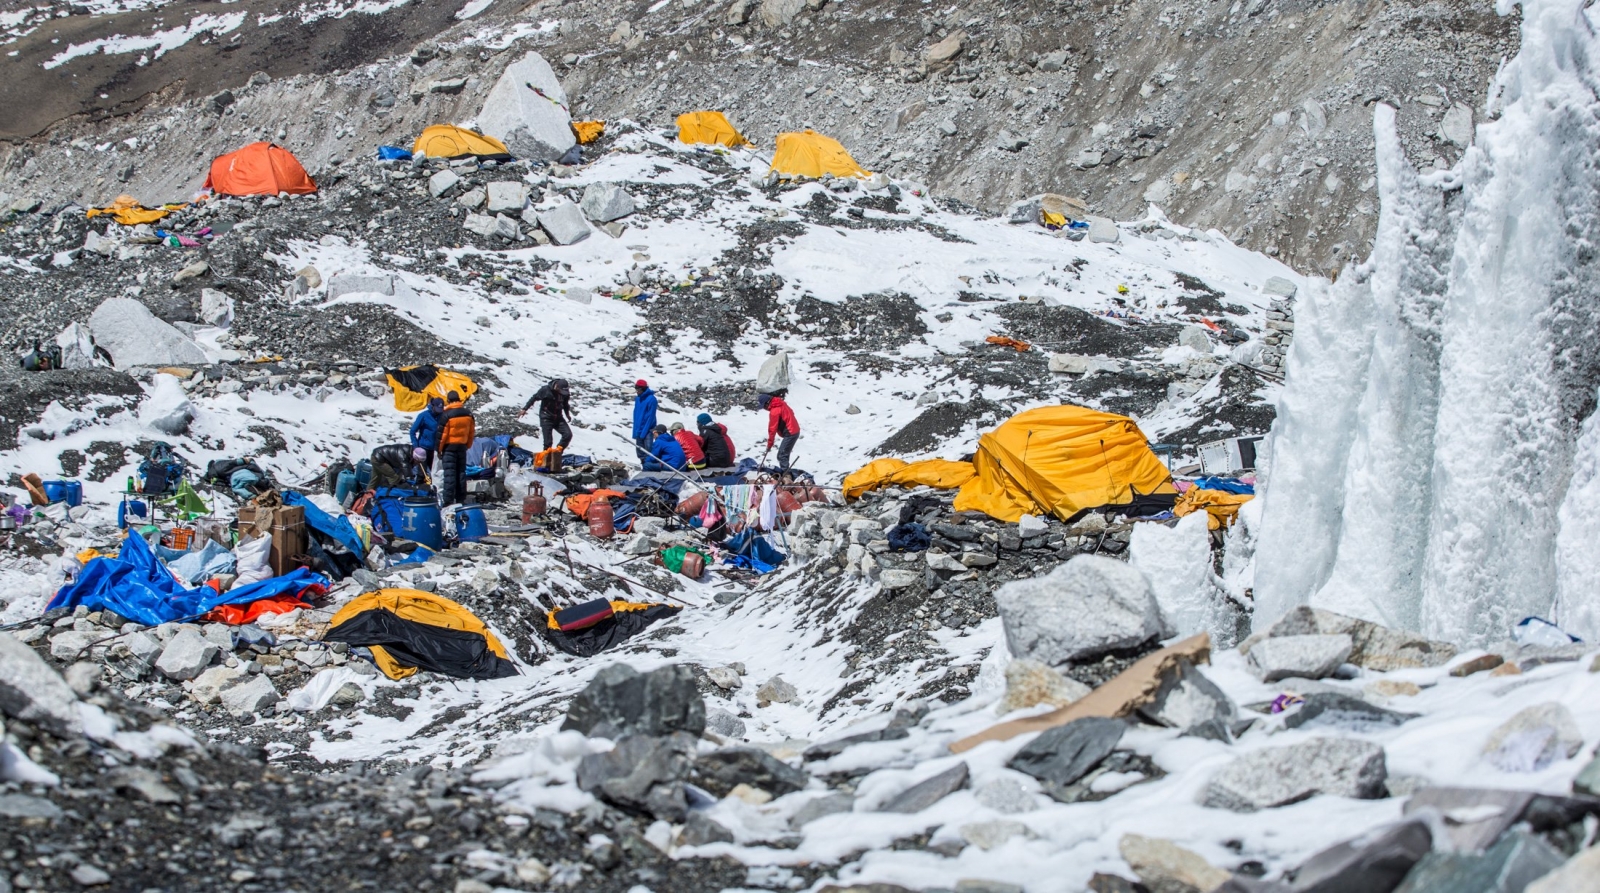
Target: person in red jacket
[693, 447]
[782, 427]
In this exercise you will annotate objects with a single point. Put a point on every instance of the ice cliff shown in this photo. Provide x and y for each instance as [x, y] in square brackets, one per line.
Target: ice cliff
[1435, 465]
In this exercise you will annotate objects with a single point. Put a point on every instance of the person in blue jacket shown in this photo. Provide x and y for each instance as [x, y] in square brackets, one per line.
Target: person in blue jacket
[425, 430]
[644, 416]
[665, 452]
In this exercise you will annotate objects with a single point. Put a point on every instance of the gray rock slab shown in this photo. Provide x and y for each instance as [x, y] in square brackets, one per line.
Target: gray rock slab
[699, 829]
[642, 773]
[1376, 647]
[31, 691]
[816, 808]
[622, 701]
[565, 224]
[1516, 861]
[22, 806]
[1368, 864]
[929, 791]
[1309, 657]
[1476, 816]
[527, 110]
[135, 337]
[441, 182]
[1102, 229]
[1278, 776]
[253, 694]
[724, 723]
[1087, 607]
[722, 770]
[1189, 700]
[507, 197]
[1063, 755]
[605, 202]
[345, 283]
[186, 655]
[1343, 711]
[1534, 738]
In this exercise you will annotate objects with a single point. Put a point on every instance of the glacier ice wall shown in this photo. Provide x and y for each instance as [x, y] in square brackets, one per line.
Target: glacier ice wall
[1427, 471]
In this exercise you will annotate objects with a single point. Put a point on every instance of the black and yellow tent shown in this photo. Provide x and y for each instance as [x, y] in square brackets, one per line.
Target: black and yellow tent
[449, 141]
[627, 620]
[807, 153]
[711, 128]
[410, 630]
[1053, 460]
[413, 385]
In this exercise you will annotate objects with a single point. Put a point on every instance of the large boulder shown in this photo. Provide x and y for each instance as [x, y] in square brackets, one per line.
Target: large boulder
[1189, 701]
[30, 690]
[564, 223]
[1367, 863]
[1305, 657]
[720, 771]
[527, 110]
[186, 655]
[605, 202]
[1061, 756]
[133, 336]
[1278, 776]
[622, 701]
[1514, 862]
[1534, 738]
[1088, 607]
[1374, 647]
[642, 774]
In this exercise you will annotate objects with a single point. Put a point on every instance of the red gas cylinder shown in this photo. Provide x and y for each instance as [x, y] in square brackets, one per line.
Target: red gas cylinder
[788, 501]
[534, 504]
[692, 504]
[816, 494]
[600, 518]
[693, 565]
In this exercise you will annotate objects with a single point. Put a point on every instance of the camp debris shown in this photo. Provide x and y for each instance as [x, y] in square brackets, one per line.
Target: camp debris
[1051, 460]
[1221, 506]
[259, 169]
[807, 153]
[409, 630]
[450, 141]
[413, 385]
[588, 131]
[126, 210]
[709, 128]
[592, 627]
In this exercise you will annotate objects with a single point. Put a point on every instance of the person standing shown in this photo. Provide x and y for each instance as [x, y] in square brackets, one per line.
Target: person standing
[425, 430]
[782, 427]
[716, 443]
[689, 441]
[555, 412]
[644, 416]
[457, 430]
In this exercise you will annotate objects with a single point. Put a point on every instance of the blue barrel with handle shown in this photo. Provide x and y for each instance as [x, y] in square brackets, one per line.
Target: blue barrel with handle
[418, 521]
[471, 525]
[69, 492]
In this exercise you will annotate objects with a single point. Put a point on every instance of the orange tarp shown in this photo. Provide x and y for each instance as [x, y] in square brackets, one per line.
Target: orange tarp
[259, 169]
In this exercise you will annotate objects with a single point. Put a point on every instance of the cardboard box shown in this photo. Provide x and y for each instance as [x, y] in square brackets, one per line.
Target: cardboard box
[287, 528]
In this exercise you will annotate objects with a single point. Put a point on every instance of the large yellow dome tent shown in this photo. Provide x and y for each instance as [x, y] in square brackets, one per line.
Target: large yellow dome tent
[706, 127]
[450, 141]
[807, 153]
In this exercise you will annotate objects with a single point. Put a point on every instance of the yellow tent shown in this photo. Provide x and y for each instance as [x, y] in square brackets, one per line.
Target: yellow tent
[940, 473]
[709, 127]
[408, 629]
[413, 385]
[127, 211]
[810, 154]
[588, 131]
[1060, 460]
[449, 141]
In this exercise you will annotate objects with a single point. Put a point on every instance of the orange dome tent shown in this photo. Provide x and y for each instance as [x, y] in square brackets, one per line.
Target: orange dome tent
[259, 169]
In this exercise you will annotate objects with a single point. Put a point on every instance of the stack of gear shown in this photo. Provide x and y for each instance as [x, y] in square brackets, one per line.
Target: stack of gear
[409, 630]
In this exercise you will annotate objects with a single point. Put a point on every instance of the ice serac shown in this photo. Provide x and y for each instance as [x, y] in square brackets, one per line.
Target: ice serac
[1429, 432]
[527, 110]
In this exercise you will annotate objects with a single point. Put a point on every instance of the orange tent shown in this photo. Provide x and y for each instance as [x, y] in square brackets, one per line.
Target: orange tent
[259, 169]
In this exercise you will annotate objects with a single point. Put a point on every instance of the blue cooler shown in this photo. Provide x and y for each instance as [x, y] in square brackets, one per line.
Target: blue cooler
[471, 525]
[69, 492]
[418, 521]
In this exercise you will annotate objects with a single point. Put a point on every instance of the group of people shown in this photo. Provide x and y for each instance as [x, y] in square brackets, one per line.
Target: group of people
[444, 430]
[679, 449]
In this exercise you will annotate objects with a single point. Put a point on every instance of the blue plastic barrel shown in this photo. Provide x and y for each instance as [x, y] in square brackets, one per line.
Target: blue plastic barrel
[70, 492]
[471, 525]
[419, 522]
[345, 487]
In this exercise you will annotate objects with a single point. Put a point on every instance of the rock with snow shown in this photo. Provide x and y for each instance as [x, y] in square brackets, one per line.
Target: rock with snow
[1062, 755]
[216, 308]
[133, 336]
[506, 197]
[186, 655]
[1030, 683]
[720, 771]
[1278, 776]
[700, 829]
[1375, 647]
[1534, 738]
[564, 223]
[776, 691]
[1370, 862]
[929, 791]
[345, 282]
[1331, 708]
[442, 182]
[993, 833]
[1456, 126]
[527, 110]
[30, 690]
[77, 347]
[168, 408]
[1308, 657]
[251, 695]
[620, 701]
[1005, 795]
[724, 723]
[1085, 608]
[1076, 364]
[1163, 865]
[817, 807]
[1580, 874]
[1177, 562]
[1190, 701]
[605, 202]
[1102, 229]
[642, 774]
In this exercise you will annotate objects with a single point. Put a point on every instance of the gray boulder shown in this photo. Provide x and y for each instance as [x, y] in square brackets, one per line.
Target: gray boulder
[1278, 287]
[31, 691]
[498, 226]
[724, 723]
[527, 110]
[722, 770]
[442, 182]
[1085, 608]
[826, 805]
[344, 283]
[1326, 708]
[621, 701]
[186, 656]
[133, 336]
[1308, 657]
[1062, 755]
[1376, 647]
[699, 829]
[1534, 738]
[1368, 864]
[642, 774]
[507, 197]
[1102, 229]
[777, 13]
[1188, 700]
[565, 224]
[1516, 861]
[929, 791]
[1278, 776]
[605, 202]
[216, 307]
[254, 694]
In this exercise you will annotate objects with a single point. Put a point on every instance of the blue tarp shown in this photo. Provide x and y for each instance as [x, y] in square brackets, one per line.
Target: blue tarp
[753, 551]
[136, 585]
[393, 153]
[1226, 485]
[337, 527]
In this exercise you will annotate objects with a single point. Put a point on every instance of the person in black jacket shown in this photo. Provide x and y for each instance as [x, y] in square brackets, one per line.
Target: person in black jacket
[718, 445]
[555, 411]
[395, 464]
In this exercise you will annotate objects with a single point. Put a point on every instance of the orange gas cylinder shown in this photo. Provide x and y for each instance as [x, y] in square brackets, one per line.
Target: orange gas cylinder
[692, 504]
[816, 494]
[600, 518]
[534, 504]
[787, 501]
[693, 565]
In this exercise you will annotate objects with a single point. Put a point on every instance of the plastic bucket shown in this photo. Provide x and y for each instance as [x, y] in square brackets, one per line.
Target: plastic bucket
[418, 521]
[471, 525]
[69, 492]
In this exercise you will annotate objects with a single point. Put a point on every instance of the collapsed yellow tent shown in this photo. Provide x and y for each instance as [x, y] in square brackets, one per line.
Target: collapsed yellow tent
[408, 630]
[587, 132]
[449, 141]
[1221, 507]
[940, 473]
[709, 127]
[413, 385]
[810, 154]
[127, 211]
[1060, 460]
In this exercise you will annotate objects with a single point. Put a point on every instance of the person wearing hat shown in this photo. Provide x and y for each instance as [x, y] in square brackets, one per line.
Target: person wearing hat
[664, 452]
[782, 426]
[555, 411]
[689, 441]
[644, 416]
[715, 442]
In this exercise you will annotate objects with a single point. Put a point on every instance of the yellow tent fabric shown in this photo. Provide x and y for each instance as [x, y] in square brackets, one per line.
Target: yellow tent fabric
[449, 141]
[709, 127]
[810, 154]
[1060, 460]
[127, 211]
[419, 607]
[1222, 507]
[588, 131]
[940, 473]
[409, 399]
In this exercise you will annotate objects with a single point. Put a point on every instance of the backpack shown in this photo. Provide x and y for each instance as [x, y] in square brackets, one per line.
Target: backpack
[160, 474]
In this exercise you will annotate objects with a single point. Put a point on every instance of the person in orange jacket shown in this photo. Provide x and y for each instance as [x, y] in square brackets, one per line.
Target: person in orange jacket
[782, 427]
[457, 429]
